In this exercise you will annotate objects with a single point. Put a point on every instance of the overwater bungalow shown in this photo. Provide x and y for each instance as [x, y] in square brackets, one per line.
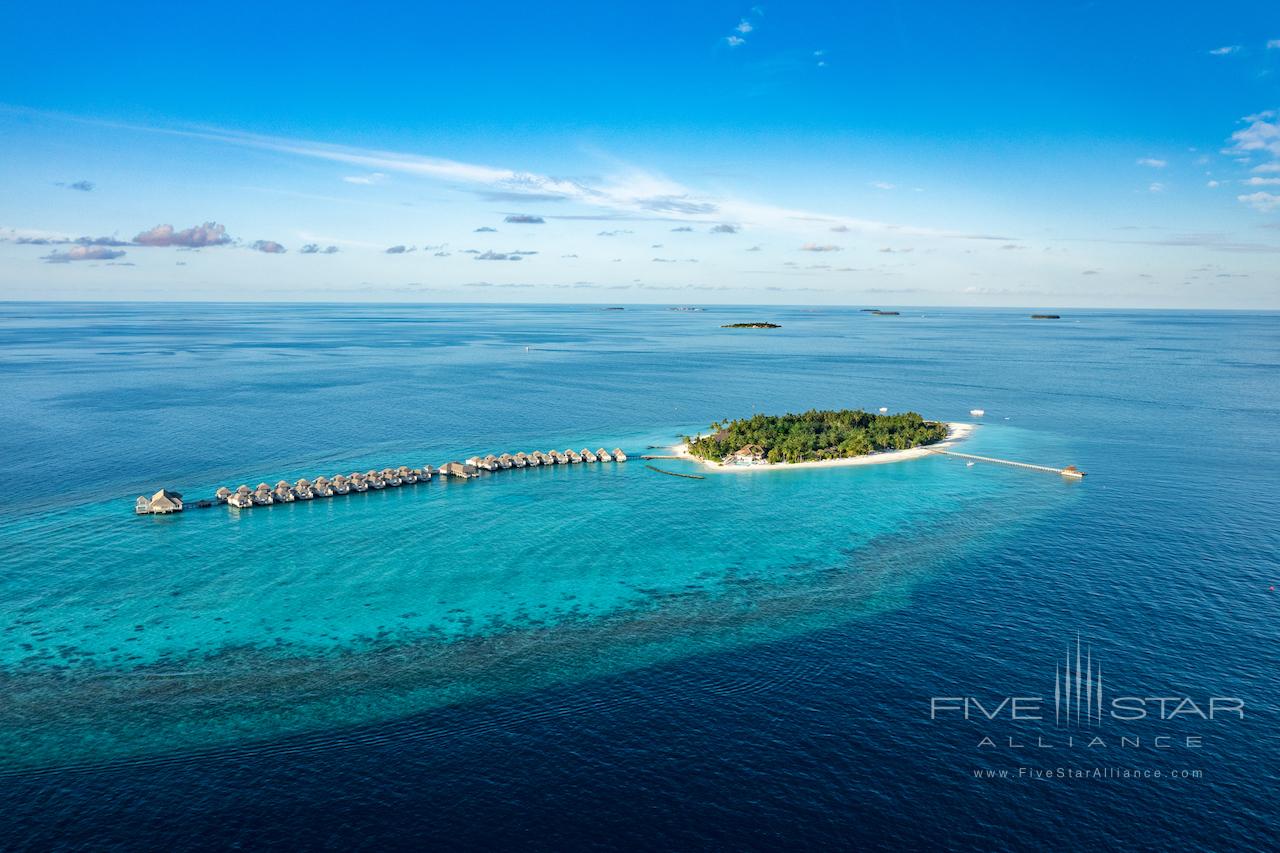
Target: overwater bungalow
[534, 459]
[241, 498]
[162, 502]
[603, 455]
[322, 487]
[619, 456]
[391, 477]
[480, 464]
[341, 484]
[374, 479]
[459, 470]
[557, 457]
[425, 474]
[407, 475]
[283, 493]
[491, 463]
[359, 483]
[222, 494]
[587, 455]
[262, 496]
[505, 461]
[572, 456]
[303, 490]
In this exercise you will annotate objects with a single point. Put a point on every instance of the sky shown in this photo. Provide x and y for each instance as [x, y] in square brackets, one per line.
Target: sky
[871, 154]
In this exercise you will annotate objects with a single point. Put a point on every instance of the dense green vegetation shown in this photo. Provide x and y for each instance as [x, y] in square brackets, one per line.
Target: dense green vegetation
[816, 435]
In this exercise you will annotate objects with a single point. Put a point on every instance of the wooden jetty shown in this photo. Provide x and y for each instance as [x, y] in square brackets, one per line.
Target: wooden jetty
[676, 473]
[166, 501]
[1070, 471]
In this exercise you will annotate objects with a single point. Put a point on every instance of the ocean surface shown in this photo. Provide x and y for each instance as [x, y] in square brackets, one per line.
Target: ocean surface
[599, 656]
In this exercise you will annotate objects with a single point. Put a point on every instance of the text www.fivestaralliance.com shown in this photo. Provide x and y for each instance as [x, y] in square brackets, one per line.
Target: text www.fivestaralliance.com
[1071, 773]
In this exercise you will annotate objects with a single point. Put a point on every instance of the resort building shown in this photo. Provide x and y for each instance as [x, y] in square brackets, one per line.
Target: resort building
[358, 482]
[603, 455]
[459, 470]
[303, 490]
[572, 456]
[374, 479]
[619, 456]
[587, 455]
[323, 488]
[262, 496]
[241, 498]
[284, 492]
[162, 502]
[505, 461]
[391, 476]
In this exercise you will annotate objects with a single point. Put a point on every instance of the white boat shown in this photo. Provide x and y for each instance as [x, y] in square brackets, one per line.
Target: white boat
[977, 413]
[884, 409]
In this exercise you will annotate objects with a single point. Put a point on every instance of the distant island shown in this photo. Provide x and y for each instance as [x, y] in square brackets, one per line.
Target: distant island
[684, 308]
[879, 313]
[1046, 316]
[612, 309]
[813, 436]
[751, 326]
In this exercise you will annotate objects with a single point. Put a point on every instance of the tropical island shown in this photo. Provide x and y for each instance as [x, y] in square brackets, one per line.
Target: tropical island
[818, 437]
[751, 326]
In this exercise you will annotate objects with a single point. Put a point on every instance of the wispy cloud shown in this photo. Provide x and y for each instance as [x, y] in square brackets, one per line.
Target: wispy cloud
[270, 247]
[485, 229]
[884, 185]
[197, 237]
[499, 256]
[681, 228]
[79, 186]
[371, 178]
[1273, 44]
[613, 233]
[398, 249]
[1155, 187]
[735, 41]
[1152, 162]
[819, 247]
[744, 26]
[524, 219]
[83, 253]
[724, 228]
[1225, 50]
[1263, 202]
[315, 249]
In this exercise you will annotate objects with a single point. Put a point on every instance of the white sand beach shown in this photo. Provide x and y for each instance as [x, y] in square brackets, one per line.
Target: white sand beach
[955, 432]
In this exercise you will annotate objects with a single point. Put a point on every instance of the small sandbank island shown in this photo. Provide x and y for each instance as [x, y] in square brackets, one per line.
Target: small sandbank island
[751, 326]
[819, 438]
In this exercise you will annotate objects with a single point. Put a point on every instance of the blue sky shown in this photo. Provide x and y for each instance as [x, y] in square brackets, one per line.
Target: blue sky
[895, 153]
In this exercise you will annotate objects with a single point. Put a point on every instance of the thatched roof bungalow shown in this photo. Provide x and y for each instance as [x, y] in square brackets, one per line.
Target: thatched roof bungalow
[222, 494]
[587, 455]
[143, 505]
[262, 497]
[391, 476]
[341, 484]
[425, 473]
[359, 483]
[408, 475]
[603, 455]
[572, 456]
[303, 490]
[241, 498]
[457, 469]
[619, 456]
[374, 479]
[556, 457]
[535, 459]
[323, 488]
[283, 492]
[505, 461]
[491, 463]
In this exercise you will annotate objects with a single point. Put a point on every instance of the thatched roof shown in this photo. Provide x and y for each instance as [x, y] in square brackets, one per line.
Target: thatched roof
[263, 487]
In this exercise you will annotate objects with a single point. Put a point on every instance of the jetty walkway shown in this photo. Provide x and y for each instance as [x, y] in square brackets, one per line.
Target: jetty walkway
[165, 501]
[1069, 471]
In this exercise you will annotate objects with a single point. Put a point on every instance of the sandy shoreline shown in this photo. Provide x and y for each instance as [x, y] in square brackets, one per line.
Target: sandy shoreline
[955, 432]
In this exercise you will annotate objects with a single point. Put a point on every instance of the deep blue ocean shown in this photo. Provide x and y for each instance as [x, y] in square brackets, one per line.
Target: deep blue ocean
[602, 657]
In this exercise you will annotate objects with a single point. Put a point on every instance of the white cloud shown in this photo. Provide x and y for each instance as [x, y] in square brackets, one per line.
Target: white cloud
[744, 26]
[1212, 184]
[884, 185]
[1156, 187]
[1225, 50]
[1152, 162]
[1255, 181]
[371, 178]
[1261, 201]
[1267, 167]
[1262, 134]
[735, 41]
[1273, 44]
